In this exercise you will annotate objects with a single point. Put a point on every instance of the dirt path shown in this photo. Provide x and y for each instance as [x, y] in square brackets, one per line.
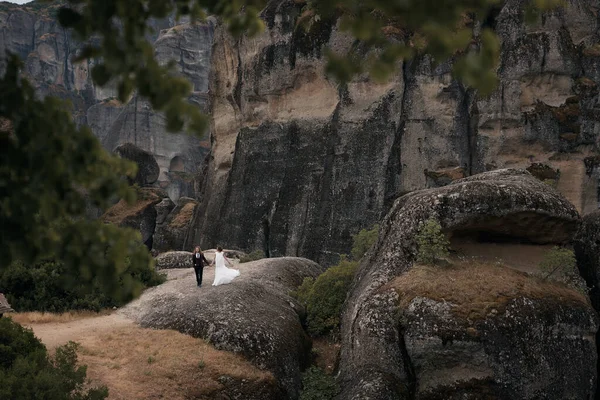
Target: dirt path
[59, 333]
[54, 334]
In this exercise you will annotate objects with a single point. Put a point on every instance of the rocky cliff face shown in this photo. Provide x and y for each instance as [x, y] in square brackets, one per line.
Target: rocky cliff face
[468, 330]
[298, 164]
[32, 32]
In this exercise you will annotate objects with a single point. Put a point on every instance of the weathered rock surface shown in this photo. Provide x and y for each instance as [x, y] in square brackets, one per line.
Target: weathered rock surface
[516, 354]
[299, 164]
[140, 216]
[587, 251]
[503, 204]
[148, 169]
[290, 171]
[32, 32]
[254, 316]
[171, 233]
[174, 259]
[177, 155]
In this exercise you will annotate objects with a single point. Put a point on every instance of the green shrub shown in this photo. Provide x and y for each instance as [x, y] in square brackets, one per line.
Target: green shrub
[432, 243]
[255, 255]
[27, 372]
[47, 287]
[324, 297]
[317, 385]
[363, 241]
[559, 264]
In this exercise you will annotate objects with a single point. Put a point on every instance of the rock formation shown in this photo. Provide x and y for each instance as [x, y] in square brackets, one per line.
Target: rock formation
[140, 216]
[298, 164]
[148, 169]
[174, 259]
[434, 348]
[254, 316]
[172, 231]
[587, 250]
[32, 32]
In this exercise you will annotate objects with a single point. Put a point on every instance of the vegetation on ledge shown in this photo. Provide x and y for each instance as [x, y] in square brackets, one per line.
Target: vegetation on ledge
[475, 289]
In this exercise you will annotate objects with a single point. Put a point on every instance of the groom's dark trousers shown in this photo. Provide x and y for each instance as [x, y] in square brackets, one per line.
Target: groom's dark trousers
[198, 263]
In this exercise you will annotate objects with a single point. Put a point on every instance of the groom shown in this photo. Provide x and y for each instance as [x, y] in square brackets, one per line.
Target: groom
[198, 261]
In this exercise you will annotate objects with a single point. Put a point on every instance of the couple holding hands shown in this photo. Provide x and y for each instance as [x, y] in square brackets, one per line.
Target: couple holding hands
[223, 274]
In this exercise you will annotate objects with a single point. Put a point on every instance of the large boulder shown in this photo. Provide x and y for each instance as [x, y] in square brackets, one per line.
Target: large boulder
[148, 169]
[254, 316]
[174, 259]
[171, 233]
[424, 348]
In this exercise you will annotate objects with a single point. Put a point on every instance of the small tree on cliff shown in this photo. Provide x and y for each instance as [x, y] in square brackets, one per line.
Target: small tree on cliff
[432, 244]
[560, 264]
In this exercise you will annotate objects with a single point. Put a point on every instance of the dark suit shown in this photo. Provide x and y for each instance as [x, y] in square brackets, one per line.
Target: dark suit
[198, 263]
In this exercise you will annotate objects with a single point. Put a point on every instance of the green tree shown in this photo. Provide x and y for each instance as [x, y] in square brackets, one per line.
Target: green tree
[317, 385]
[255, 255]
[560, 264]
[324, 297]
[432, 244]
[363, 241]
[49, 170]
[27, 372]
[41, 287]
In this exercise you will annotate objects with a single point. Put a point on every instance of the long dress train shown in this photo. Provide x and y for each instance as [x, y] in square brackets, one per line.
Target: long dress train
[223, 275]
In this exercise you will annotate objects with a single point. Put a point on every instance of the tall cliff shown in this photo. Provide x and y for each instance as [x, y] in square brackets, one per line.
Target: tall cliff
[298, 163]
[32, 32]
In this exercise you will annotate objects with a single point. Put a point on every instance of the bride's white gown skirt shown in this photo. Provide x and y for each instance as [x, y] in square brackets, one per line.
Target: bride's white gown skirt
[223, 275]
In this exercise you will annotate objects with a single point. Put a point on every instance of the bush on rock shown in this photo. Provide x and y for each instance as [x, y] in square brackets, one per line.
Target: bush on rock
[559, 264]
[432, 243]
[324, 296]
[255, 255]
[317, 385]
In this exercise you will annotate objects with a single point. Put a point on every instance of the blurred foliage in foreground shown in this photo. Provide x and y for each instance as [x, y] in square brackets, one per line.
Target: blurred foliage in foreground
[390, 30]
[49, 172]
[46, 287]
[28, 372]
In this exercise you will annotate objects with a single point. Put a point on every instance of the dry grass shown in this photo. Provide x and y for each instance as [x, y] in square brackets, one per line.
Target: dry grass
[122, 210]
[475, 289]
[327, 353]
[452, 173]
[27, 318]
[138, 363]
[184, 216]
[592, 51]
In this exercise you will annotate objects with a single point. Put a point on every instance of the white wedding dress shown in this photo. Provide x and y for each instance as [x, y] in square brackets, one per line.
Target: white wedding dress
[223, 275]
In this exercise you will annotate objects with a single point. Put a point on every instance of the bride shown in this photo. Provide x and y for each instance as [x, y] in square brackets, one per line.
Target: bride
[223, 274]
